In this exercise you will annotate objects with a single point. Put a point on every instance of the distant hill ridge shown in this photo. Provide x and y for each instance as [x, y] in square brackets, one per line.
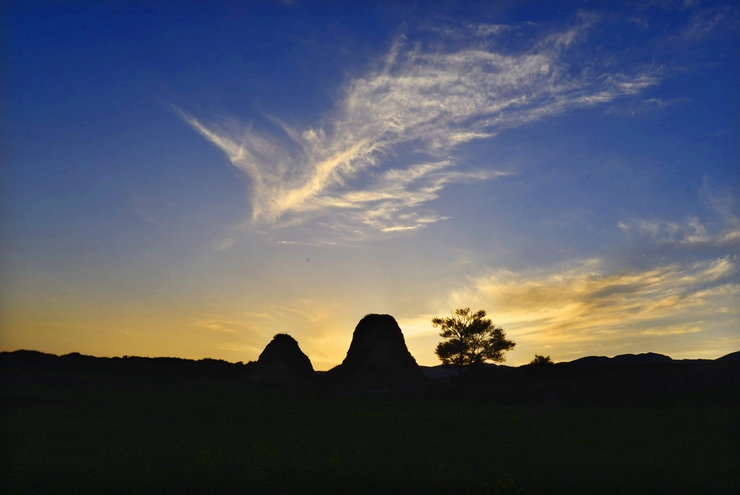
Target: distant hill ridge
[378, 362]
[644, 358]
[29, 359]
[25, 357]
[647, 358]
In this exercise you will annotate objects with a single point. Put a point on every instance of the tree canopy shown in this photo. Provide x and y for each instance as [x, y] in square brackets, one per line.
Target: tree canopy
[540, 360]
[470, 338]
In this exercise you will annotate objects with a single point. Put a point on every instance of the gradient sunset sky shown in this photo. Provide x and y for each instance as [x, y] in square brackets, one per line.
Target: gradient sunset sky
[189, 180]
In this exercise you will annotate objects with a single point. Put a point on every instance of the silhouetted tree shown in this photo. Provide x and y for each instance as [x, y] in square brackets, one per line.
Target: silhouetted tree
[541, 360]
[470, 338]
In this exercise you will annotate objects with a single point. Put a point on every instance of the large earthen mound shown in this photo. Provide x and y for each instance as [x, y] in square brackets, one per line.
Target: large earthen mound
[378, 345]
[378, 357]
[283, 361]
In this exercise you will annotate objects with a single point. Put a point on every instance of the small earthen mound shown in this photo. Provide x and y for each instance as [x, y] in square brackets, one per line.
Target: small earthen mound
[282, 361]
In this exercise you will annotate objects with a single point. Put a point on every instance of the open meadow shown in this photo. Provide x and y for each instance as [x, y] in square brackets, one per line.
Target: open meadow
[79, 431]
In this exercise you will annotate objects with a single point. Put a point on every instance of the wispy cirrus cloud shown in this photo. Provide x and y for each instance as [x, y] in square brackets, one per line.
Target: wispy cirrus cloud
[705, 21]
[692, 232]
[394, 201]
[720, 229]
[387, 149]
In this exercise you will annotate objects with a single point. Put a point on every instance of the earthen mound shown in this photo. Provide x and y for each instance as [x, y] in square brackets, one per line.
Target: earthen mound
[378, 357]
[282, 361]
[378, 345]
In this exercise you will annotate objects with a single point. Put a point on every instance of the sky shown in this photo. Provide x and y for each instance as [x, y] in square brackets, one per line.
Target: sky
[189, 179]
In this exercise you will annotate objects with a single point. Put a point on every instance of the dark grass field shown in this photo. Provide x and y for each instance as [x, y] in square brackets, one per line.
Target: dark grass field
[85, 432]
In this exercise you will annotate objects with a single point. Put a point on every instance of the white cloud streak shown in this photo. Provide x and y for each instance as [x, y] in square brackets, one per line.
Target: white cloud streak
[219, 325]
[692, 232]
[415, 108]
[721, 230]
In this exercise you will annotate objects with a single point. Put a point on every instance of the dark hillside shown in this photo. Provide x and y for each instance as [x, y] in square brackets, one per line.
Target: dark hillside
[24, 365]
[79, 424]
[735, 356]
[628, 379]
[624, 380]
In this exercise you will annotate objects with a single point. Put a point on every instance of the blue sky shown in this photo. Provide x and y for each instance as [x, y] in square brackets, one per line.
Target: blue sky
[189, 180]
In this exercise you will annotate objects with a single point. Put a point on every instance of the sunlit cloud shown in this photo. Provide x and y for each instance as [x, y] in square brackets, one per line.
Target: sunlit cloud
[387, 148]
[219, 325]
[584, 306]
[581, 308]
[394, 202]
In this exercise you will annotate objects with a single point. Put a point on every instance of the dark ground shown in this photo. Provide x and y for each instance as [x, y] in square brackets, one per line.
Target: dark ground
[77, 424]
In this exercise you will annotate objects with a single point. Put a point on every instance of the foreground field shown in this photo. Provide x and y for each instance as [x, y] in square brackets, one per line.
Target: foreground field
[82, 433]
